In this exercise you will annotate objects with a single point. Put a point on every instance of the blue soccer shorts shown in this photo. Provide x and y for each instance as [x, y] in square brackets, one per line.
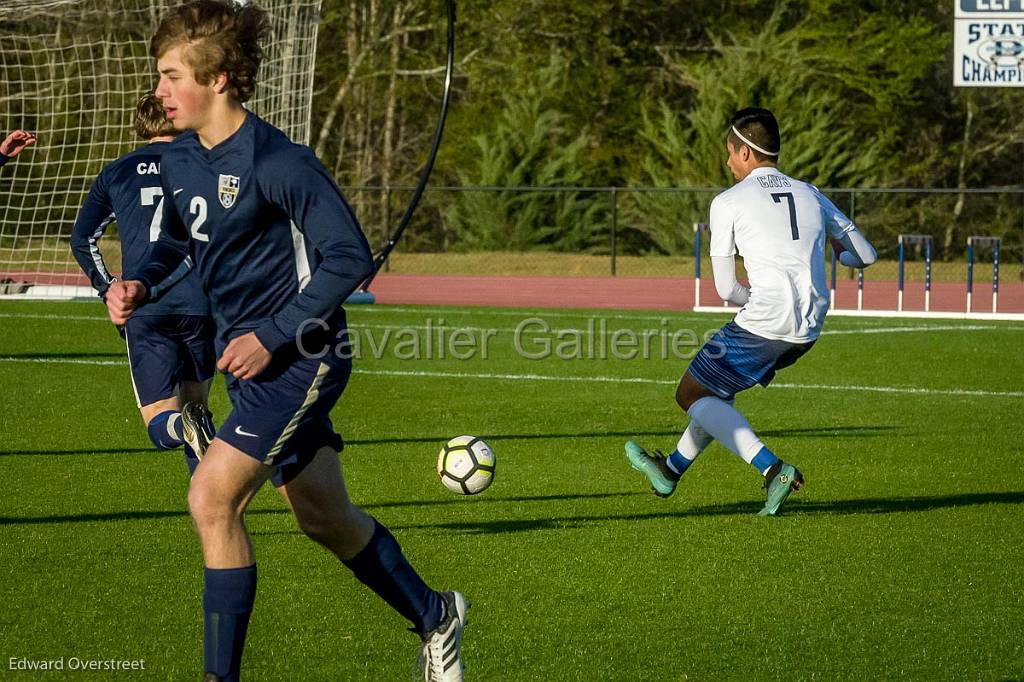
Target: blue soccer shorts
[735, 359]
[282, 417]
[165, 350]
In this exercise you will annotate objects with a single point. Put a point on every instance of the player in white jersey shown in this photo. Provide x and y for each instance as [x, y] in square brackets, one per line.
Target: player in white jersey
[778, 225]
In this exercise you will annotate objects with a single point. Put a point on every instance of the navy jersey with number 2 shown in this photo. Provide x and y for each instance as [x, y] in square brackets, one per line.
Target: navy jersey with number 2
[274, 242]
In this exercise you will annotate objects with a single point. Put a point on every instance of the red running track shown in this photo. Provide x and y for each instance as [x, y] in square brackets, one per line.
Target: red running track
[656, 293]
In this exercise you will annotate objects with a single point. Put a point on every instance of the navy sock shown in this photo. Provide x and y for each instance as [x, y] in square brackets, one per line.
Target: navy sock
[228, 596]
[165, 430]
[382, 567]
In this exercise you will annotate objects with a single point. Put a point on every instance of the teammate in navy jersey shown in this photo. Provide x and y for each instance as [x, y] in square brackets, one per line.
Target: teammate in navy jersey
[170, 341]
[278, 251]
[14, 144]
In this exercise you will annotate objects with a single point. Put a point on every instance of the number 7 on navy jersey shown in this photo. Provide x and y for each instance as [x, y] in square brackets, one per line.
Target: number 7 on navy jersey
[788, 196]
[148, 197]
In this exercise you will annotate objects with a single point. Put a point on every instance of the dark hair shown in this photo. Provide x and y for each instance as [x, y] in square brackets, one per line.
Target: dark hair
[151, 119]
[759, 127]
[219, 37]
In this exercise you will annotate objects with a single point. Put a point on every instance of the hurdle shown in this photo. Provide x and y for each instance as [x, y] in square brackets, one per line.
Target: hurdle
[994, 242]
[832, 279]
[860, 288]
[698, 231]
[926, 240]
[977, 248]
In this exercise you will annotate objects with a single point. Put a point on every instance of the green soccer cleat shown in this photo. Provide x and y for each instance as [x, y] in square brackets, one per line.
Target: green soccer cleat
[781, 480]
[654, 467]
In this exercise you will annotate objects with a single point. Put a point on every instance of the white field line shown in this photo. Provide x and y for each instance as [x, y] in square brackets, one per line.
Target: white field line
[67, 361]
[905, 390]
[39, 316]
[672, 315]
[910, 390]
[882, 316]
[527, 312]
[532, 330]
[900, 390]
[922, 328]
[541, 312]
[448, 329]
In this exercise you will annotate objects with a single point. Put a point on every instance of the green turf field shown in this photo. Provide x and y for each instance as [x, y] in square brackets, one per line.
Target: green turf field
[901, 558]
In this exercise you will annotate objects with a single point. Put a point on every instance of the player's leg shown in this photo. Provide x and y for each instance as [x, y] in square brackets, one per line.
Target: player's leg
[725, 423]
[689, 446]
[304, 451]
[325, 513]
[163, 423]
[782, 478]
[720, 419]
[222, 487]
[154, 369]
[733, 361]
[198, 429]
[320, 502]
[664, 472]
[198, 362]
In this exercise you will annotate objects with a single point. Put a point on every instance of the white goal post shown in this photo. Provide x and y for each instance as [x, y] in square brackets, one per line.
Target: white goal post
[71, 71]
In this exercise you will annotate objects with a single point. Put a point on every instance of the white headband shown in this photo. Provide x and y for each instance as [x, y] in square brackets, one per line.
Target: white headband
[751, 144]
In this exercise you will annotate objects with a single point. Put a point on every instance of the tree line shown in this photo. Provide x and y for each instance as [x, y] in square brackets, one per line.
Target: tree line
[636, 93]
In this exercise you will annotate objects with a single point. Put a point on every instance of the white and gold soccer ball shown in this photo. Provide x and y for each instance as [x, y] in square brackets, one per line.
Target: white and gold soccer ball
[466, 465]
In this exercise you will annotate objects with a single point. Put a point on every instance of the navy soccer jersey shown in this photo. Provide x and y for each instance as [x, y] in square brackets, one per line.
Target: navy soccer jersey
[275, 244]
[129, 192]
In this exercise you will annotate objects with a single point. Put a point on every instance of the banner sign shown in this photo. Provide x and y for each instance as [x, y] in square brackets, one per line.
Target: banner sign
[988, 43]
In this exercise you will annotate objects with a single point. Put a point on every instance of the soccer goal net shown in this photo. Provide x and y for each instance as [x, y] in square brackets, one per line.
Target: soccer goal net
[71, 71]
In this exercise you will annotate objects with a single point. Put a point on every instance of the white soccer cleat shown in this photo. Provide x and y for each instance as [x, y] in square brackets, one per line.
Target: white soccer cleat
[440, 658]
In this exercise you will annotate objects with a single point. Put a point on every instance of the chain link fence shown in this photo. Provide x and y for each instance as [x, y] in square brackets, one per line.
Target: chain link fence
[648, 232]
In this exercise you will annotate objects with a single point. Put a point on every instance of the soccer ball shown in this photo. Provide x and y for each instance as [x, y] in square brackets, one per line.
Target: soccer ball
[466, 465]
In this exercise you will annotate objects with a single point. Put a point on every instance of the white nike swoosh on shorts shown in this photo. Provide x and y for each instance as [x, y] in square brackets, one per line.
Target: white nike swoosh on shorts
[240, 432]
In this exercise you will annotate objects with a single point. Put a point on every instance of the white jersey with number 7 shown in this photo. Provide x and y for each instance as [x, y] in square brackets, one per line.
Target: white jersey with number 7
[778, 225]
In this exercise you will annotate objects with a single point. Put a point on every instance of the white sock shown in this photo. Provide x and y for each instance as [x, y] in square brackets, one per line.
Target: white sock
[724, 423]
[691, 443]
